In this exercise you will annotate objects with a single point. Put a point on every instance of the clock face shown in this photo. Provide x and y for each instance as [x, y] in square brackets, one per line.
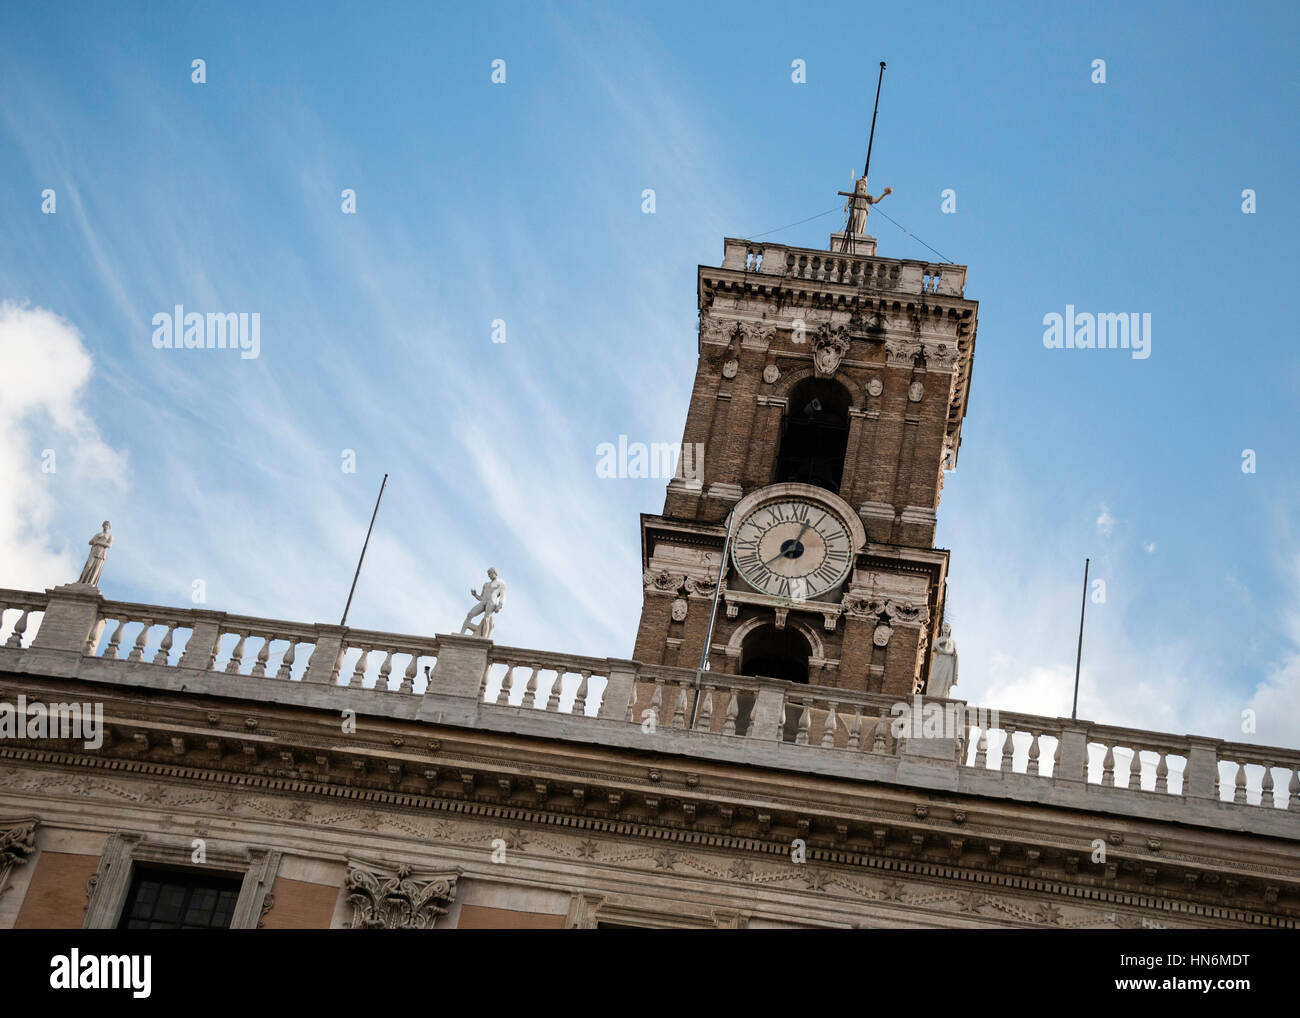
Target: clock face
[791, 548]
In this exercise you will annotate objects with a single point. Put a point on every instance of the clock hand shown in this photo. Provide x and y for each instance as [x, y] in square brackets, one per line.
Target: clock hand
[786, 554]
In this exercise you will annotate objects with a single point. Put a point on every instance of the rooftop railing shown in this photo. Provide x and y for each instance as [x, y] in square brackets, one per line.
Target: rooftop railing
[72, 632]
[865, 271]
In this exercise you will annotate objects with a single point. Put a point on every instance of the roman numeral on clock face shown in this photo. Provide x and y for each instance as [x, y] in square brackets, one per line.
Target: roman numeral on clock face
[826, 573]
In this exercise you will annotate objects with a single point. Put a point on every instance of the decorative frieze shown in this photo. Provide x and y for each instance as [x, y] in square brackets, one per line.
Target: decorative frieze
[893, 612]
[662, 581]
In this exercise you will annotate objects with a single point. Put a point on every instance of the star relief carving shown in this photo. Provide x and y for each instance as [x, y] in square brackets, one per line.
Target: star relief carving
[892, 891]
[816, 879]
[666, 859]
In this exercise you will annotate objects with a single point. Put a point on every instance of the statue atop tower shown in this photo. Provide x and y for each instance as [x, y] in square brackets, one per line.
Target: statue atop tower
[859, 203]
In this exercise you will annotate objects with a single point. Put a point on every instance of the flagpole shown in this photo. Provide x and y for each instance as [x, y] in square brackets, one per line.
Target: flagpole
[347, 607]
[1078, 658]
[846, 243]
[872, 137]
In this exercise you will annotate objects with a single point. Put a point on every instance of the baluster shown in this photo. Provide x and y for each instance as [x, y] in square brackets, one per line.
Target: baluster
[408, 676]
[733, 712]
[657, 701]
[358, 678]
[115, 641]
[1008, 762]
[1135, 770]
[878, 737]
[705, 718]
[530, 689]
[263, 656]
[982, 750]
[165, 648]
[855, 729]
[553, 701]
[1266, 786]
[236, 656]
[1031, 767]
[580, 697]
[285, 671]
[1056, 757]
[1239, 793]
[385, 671]
[679, 711]
[1293, 791]
[1108, 767]
[20, 627]
[92, 638]
[137, 651]
[1162, 772]
[507, 686]
[805, 717]
[828, 733]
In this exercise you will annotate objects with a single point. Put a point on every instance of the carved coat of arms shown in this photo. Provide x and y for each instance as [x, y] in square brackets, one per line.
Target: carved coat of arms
[829, 347]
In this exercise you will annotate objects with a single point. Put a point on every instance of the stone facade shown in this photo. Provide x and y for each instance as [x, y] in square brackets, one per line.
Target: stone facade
[523, 788]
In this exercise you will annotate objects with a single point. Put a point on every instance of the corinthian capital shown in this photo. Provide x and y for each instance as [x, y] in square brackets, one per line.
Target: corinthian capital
[384, 898]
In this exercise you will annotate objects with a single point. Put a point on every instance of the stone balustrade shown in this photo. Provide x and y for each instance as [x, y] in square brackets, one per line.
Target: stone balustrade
[20, 617]
[557, 683]
[71, 632]
[864, 271]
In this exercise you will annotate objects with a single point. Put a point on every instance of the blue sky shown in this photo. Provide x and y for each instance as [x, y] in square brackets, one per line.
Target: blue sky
[522, 202]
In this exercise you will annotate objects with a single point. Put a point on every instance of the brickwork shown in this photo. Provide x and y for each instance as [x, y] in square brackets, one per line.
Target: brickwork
[300, 905]
[906, 351]
[56, 898]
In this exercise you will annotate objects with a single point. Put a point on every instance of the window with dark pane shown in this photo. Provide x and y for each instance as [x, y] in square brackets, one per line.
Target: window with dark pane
[162, 899]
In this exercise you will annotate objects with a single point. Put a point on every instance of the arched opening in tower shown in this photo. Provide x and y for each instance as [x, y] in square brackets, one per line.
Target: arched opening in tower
[815, 434]
[776, 654]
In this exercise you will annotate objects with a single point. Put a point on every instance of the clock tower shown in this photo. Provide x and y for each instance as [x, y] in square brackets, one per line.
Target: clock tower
[828, 402]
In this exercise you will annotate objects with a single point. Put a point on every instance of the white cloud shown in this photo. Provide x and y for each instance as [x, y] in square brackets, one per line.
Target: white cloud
[1105, 522]
[1015, 587]
[1276, 700]
[60, 476]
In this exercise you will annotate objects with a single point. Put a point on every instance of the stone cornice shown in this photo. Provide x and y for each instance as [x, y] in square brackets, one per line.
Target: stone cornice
[961, 849]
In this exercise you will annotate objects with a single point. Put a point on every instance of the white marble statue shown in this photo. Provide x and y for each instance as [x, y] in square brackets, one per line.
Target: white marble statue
[943, 664]
[491, 599]
[99, 545]
[860, 203]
